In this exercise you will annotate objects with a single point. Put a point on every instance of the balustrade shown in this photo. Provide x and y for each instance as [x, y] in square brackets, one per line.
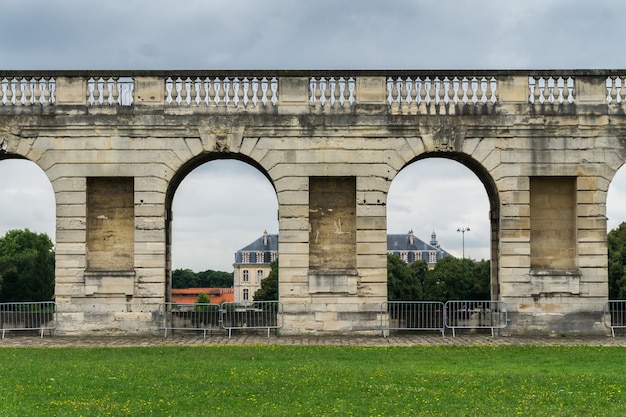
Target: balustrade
[404, 92]
[551, 90]
[614, 89]
[440, 94]
[332, 91]
[27, 91]
[221, 91]
[110, 91]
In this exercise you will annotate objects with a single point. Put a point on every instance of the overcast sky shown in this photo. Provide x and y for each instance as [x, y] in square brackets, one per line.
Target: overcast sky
[210, 224]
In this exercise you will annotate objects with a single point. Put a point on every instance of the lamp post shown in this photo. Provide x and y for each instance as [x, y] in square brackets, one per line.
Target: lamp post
[463, 230]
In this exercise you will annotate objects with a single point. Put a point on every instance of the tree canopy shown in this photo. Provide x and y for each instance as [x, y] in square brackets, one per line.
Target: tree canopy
[269, 285]
[451, 279]
[186, 278]
[26, 267]
[616, 241]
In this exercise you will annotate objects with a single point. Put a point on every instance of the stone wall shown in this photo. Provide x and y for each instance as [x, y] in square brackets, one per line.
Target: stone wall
[331, 143]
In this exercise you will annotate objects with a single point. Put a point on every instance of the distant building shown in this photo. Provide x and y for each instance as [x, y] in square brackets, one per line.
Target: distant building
[190, 295]
[410, 248]
[252, 263]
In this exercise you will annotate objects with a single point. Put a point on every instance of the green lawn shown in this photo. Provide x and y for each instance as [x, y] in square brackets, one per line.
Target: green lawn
[314, 381]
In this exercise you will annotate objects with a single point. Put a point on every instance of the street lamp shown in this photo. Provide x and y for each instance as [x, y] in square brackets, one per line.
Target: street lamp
[463, 230]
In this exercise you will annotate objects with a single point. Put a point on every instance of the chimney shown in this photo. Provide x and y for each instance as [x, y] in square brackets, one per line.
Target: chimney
[411, 237]
[265, 238]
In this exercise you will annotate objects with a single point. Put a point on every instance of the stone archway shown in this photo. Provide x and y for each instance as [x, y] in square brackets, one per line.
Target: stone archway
[237, 190]
[493, 200]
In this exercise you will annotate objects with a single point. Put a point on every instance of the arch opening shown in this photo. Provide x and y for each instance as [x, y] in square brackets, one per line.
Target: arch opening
[216, 207]
[28, 213]
[448, 203]
[616, 231]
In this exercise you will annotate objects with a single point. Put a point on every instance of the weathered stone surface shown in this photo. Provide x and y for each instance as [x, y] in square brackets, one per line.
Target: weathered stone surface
[364, 132]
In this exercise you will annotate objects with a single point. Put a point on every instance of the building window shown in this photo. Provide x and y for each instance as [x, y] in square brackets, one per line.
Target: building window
[432, 257]
[245, 275]
[273, 256]
[245, 257]
[259, 258]
[405, 257]
[259, 275]
[246, 296]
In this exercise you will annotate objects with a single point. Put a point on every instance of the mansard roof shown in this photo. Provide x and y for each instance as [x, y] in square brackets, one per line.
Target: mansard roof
[402, 242]
[259, 245]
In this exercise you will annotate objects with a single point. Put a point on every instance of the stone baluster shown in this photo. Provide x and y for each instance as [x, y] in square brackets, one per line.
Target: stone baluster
[389, 91]
[393, 93]
[189, 93]
[266, 92]
[202, 90]
[421, 90]
[405, 94]
[474, 90]
[352, 90]
[413, 95]
[342, 90]
[99, 95]
[316, 91]
[482, 90]
[106, 92]
[249, 92]
[329, 93]
[210, 91]
[274, 89]
[115, 92]
[255, 91]
[618, 90]
[3, 91]
[168, 91]
[441, 94]
[28, 91]
[487, 89]
[45, 99]
[227, 85]
[194, 98]
[240, 93]
[243, 91]
[431, 94]
[334, 92]
[18, 92]
[37, 90]
[611, 90]
[10, 93]
[233, 94]
[536, 90]
[492, 84]
[108, 96]
[549, 90]
[560, 84]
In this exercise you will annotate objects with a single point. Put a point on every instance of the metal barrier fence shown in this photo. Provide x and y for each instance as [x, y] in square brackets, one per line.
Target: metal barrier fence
[472, 314]
[614, 316]
[252, 315]
[40, 316]
[226, 316]
[413, 315]
[202, 317]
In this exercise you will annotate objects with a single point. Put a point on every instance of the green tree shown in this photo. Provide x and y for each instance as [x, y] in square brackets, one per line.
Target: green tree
[403, 281]
[26, 266]
[455, 279]
[479, 280]
[186, 278]
[269, 285]
[202, 299]
[616, 241]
